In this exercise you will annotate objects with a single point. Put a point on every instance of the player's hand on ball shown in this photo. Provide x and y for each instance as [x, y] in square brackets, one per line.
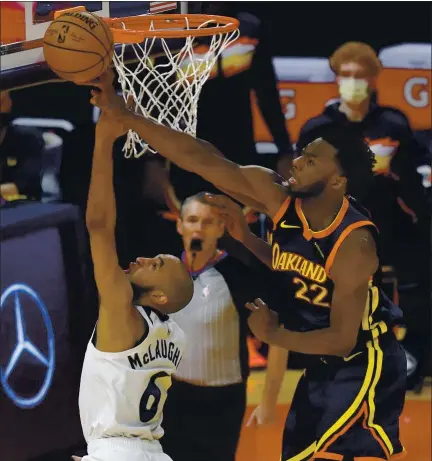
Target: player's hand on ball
[105, 96]
[231, 213]
[262, 416]
[263, 322]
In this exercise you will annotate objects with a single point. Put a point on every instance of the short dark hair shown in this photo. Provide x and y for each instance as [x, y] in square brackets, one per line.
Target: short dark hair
[355, 159]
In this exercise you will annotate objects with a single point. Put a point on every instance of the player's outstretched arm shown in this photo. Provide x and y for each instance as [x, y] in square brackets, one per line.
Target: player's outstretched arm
[252, 185]
[119, 324]
[355, 262]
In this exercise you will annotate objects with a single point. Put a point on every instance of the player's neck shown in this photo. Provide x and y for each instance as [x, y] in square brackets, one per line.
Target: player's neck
[357, 112]
[196, 260]
[321, 211]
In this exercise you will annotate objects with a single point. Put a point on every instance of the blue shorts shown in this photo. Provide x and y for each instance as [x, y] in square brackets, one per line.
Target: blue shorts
[349, 409]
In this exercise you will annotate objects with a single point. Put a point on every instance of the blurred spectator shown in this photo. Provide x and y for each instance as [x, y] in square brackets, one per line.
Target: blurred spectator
[398, 153]
[207, 402]
[21, 152]
[224, 109]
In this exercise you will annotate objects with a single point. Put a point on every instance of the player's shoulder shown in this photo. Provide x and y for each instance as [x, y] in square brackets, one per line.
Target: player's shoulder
[153, 317]
[360, 243]
[159, 322]
[357, 254]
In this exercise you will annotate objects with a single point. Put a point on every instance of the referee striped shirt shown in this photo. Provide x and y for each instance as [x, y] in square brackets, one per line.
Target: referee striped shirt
[215, 324]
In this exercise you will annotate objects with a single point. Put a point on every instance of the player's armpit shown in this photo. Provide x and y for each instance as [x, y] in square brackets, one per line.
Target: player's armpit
[355, 263]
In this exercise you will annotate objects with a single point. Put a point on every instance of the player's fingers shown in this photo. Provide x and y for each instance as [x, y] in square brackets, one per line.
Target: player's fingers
[221, 201]
[252, 307]
[260, 303]
[225, 216]
[130, 102]
[214, 199]
[76, 458]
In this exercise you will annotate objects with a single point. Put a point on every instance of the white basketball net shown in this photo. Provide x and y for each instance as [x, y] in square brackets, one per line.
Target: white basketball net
[167, 93]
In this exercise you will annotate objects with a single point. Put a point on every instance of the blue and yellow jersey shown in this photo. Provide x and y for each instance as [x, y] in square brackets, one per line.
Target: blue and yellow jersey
[302, 259]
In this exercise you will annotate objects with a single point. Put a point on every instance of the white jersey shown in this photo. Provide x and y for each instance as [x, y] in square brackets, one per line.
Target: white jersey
[122, 394]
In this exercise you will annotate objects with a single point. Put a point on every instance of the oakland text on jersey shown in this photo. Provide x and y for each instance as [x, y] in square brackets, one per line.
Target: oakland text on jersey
[293, 262]
[162, 349]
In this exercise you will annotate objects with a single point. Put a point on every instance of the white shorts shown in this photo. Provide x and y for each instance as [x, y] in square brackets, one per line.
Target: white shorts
[124, 449]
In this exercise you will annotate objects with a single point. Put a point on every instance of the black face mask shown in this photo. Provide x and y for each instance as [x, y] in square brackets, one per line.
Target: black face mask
[5, 119]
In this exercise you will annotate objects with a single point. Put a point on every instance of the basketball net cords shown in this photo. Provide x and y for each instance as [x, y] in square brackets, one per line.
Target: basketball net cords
[167, 93]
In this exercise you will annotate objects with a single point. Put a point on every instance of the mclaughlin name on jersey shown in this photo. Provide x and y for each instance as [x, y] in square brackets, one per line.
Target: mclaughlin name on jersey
[162, 349]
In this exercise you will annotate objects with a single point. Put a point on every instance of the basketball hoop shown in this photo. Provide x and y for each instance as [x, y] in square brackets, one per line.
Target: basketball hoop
[168, 92]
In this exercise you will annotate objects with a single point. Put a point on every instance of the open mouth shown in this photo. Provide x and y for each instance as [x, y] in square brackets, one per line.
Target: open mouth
[129, 269]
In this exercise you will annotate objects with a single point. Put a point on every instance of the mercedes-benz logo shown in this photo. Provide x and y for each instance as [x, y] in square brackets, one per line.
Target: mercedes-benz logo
[20, 292]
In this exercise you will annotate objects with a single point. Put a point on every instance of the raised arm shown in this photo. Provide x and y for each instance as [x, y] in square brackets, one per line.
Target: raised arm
[119, 325]
[252, 185]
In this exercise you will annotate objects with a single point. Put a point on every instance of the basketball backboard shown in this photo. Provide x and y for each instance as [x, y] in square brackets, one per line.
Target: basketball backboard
[23, 25]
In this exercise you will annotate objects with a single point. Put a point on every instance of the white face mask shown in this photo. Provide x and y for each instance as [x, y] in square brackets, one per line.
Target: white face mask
[353, 89]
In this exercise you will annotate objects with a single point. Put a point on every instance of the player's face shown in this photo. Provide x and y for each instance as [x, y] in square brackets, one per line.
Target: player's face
[200, 221]
[161, 277]
[314, 171]
[150, 272]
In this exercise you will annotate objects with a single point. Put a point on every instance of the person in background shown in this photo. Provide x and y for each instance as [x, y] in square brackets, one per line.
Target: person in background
[21, 152]
[397, 151]
[207, 402]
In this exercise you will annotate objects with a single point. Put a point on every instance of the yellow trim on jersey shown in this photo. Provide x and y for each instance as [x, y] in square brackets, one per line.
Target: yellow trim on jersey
[367, 390]
[371, 398]
[356, 405]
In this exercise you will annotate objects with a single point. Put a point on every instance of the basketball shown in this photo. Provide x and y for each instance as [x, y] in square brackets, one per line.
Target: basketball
[78, 46]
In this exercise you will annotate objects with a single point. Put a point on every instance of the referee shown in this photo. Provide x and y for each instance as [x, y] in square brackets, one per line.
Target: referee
[207, 400]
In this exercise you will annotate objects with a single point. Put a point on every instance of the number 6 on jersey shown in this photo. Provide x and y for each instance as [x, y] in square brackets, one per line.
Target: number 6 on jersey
[152, 396]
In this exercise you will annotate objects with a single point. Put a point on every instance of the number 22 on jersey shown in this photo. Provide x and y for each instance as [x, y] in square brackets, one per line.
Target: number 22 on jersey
[312, 293]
